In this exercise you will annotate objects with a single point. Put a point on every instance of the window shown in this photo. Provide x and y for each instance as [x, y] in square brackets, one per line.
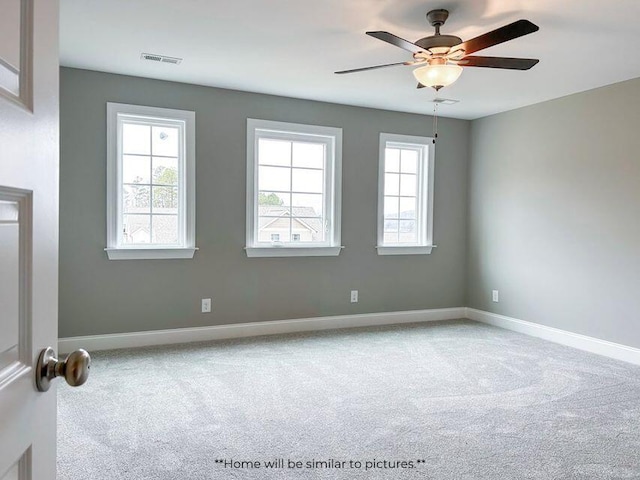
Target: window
[150, 182]
[293, 189]
[405, 195]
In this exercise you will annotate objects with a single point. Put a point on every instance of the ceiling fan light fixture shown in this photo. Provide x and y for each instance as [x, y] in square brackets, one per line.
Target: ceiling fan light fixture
[437, 76]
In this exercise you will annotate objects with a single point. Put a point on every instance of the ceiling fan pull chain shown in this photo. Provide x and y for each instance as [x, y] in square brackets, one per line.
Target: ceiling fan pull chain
[435, 122]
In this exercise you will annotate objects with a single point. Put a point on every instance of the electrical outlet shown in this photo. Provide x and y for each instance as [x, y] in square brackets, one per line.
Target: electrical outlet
[354, 296]
[206, 305]
[495, 296]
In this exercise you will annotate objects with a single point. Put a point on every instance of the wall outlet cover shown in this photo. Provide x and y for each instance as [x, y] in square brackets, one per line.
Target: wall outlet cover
[206, 305]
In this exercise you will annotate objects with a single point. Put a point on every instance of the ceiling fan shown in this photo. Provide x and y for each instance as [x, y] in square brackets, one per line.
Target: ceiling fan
[441, 57]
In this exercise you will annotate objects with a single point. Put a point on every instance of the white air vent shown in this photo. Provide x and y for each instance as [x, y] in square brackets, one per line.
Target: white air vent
[152, 57]
[444, 101]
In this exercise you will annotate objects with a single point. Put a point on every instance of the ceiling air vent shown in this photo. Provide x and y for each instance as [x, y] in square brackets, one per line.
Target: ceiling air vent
[444, 101]
[152, 57]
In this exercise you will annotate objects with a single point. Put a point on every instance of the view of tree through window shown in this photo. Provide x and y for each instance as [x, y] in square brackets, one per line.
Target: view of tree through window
[150, 180]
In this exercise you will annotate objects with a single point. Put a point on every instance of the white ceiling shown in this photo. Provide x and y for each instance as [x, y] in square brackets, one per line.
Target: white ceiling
[292, 47]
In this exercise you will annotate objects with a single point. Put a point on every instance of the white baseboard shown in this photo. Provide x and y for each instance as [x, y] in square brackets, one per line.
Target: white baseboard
[575, 340]
[240, 330]
[219, 332]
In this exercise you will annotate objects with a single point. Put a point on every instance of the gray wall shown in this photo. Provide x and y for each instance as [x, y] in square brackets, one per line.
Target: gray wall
[100, 296]
[554, 213]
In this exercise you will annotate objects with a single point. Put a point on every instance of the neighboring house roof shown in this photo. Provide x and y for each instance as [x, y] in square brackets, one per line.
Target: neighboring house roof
[163, 230]
[270, 213]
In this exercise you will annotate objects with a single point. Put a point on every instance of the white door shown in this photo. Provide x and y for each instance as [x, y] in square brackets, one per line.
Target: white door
[28, 233]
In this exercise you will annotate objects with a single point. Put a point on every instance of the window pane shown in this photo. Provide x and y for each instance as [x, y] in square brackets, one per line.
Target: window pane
[307, 205]
[390, 238]
[136, 138]
[391, 229]
[390, 225]
[135, 169]
[136, 199]
[407, 207]
[165, 200]
[166, 141]
[136, 229]
[309, 229]
[165, 229]
[404, 220]
[409, 161]
[291, 167]
[391, 184]
[278, 224]
[165, 171]
[151, 163]
[408, 231]
[273, 199]
[274, 178]
[308, 180]
[392, 160]
[390, 234]
[310, 155]
[274, 152]
[391, 207]
[408, 184]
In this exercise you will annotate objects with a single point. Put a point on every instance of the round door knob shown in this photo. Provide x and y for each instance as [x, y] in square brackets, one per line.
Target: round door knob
[74, 369]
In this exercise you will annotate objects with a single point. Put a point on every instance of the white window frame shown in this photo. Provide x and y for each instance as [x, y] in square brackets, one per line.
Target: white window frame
[185, 120]
[424, 214]
[332, 137]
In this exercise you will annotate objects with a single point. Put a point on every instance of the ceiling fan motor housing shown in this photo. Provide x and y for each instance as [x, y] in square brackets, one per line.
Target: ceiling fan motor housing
[438, 41]
[437, 18]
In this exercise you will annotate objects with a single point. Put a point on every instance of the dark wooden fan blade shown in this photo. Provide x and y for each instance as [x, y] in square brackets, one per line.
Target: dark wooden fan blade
[396, 41]
[499, 62]
[371, 68]
[421, 86]
[500, 35]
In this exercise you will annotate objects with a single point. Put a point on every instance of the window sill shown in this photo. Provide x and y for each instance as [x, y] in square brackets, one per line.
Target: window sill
[293, 251]
[417, 250]
[149, 253]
